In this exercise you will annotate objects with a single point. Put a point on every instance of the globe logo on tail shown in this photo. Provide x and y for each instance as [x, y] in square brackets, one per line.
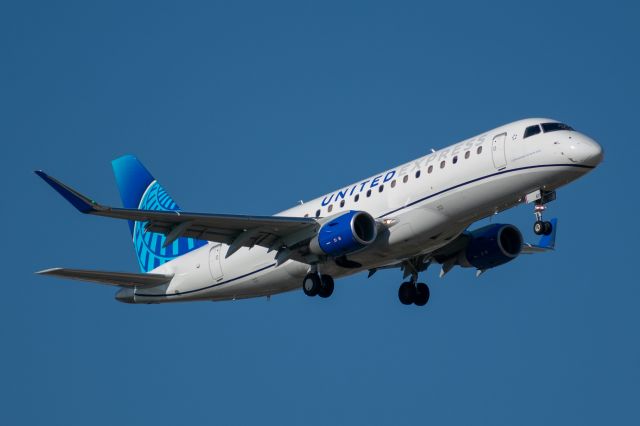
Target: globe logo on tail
[148, 245]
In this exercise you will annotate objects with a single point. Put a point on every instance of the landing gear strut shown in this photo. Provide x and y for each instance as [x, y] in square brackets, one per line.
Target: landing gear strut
[317, 285]
[541, 227]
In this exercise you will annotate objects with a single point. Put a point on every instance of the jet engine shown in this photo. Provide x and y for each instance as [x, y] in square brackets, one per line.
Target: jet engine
[492, 246]
[488, 247]
[345, 234]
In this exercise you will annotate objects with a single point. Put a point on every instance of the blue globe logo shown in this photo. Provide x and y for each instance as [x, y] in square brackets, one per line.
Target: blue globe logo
[148, 245]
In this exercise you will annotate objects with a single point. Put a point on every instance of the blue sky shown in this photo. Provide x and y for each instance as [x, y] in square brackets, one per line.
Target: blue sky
[246, 108]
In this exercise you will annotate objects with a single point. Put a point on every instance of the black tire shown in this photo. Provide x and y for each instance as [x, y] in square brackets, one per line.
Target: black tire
[538, 227]
[311, 285]
[422, 294]
[407, 293]
[548, 228]
[326, 286]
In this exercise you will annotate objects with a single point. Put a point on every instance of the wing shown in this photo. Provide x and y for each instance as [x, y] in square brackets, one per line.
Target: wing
[122, 279]
[273, 232]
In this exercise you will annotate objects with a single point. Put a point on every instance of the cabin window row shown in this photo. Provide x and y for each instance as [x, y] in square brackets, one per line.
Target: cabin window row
[405, 179]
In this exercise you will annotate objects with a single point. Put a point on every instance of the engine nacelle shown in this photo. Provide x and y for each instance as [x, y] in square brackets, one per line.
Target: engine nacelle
[491, 246]
[345, 234]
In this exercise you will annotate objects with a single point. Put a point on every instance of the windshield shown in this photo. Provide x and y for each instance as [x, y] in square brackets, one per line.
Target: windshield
[553, 127]
[531, 130]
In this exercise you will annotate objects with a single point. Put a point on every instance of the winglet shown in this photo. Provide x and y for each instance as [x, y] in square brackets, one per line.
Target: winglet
[79, 201]
[549, 241]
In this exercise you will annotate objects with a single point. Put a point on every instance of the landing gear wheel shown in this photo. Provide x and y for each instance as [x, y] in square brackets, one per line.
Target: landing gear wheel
[407, 293]
[422, 294]
[311, 285]
[548, 228]
[539, 227]
[326, 286]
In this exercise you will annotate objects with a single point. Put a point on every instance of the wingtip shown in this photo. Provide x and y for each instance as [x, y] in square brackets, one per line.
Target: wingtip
[47, 271]
[79, 201]
[126, 155]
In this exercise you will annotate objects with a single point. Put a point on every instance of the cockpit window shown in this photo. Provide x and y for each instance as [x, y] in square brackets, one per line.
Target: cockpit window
[531, 130]
[553, 127]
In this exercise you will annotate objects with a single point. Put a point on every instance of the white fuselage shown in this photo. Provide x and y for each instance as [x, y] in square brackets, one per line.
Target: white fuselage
[425, 204]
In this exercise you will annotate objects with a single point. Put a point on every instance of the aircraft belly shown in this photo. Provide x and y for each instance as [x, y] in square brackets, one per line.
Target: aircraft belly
[484, 198]
[420, 230]
[252, 272]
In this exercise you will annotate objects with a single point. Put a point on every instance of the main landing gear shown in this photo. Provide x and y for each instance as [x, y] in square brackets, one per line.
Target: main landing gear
[320, 285]
[413, 292]
[417, 294]
[541, 227]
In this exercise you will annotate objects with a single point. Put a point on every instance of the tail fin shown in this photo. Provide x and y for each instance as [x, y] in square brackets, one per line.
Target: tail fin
[139, 190]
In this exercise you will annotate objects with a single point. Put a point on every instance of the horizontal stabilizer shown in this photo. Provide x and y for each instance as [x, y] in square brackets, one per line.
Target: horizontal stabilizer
[122, 279]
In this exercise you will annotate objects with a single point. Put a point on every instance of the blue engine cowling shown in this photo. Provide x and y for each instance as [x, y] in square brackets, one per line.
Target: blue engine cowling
[345, 234]
[491, 246]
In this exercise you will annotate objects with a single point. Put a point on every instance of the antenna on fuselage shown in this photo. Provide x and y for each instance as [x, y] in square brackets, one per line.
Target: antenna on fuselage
[433, 151]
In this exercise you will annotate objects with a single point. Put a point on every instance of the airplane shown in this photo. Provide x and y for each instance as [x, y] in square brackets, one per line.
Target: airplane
[404, 218]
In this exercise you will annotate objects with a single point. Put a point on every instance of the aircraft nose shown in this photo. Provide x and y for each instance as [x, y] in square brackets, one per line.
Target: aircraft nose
[586, 151]
[593, 152]
[125, 295]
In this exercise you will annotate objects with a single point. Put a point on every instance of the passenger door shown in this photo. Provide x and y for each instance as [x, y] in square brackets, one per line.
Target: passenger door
[498, 151]
[215, 263]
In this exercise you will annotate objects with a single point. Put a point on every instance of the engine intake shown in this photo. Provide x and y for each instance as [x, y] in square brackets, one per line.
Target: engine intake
[345, 234]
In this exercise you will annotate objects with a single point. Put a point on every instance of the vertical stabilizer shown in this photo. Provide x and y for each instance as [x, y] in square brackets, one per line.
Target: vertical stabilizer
[139, 190]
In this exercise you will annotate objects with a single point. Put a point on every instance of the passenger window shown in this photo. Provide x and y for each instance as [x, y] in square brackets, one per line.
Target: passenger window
[342, 203]
[467, 154]
[405, 178]
[430, 169]
[455, 159]
[381, 188]
[531, 130]
[479, 150]
[417, 174]
[330, 208]
[357, 197]
[393, 183]
[368, 193]
[442, 164]
[318, 213]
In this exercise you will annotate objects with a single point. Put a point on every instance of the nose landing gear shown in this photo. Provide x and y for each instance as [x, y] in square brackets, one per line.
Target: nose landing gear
[541, 227]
